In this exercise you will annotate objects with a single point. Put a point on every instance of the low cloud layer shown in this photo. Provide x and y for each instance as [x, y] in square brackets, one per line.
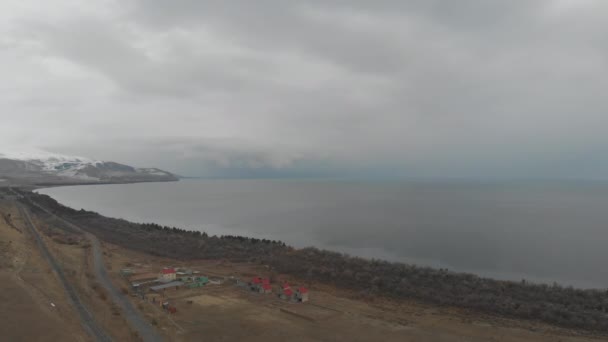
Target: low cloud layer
[471, 88]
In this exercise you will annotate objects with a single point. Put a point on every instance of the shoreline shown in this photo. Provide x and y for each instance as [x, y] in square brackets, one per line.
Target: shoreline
[36, 186]
[521, 300]
[304, 241]
[351, 252]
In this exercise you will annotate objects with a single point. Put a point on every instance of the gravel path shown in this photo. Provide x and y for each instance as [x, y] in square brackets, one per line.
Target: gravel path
[139, 323]
[88, 321]
[134, 317]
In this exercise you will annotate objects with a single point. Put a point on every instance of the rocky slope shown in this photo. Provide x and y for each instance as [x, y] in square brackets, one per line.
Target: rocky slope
[40, 167]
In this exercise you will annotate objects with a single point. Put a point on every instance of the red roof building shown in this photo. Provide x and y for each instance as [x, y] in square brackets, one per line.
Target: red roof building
[168, 270]
[302, 294]
[260, 285]
[167, 274]
[266, 288]
[286, 291]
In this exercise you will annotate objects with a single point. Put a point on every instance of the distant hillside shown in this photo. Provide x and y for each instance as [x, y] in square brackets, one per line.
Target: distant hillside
[40, 167]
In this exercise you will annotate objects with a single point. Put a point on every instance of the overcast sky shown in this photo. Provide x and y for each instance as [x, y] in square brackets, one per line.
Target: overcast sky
[419, 88]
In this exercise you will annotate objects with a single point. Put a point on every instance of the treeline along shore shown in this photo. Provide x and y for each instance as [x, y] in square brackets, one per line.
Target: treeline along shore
[563, 306]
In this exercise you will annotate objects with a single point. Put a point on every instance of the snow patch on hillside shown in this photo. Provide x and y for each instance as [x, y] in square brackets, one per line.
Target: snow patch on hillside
[59, 164]
[79, 168]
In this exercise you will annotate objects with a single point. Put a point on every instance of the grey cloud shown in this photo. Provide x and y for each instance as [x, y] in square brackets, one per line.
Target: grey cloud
[468, 88]
[208, 157]
[109, 51]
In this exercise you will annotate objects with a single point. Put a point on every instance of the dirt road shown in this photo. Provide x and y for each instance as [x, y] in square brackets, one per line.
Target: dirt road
[139, 323]
[135, 319]
[86, 317]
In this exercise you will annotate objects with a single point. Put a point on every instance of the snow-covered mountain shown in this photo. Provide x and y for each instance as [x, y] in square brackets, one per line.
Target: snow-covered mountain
[41, 167]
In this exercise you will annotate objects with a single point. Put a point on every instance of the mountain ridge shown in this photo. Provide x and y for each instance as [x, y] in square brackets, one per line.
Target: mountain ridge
[37, 167]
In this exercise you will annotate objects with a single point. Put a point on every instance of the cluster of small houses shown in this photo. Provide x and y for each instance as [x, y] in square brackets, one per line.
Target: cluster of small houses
[262, 285]
[171, 278]
[168, 278]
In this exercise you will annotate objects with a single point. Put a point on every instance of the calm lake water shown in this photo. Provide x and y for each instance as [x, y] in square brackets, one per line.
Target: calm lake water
[538, 231]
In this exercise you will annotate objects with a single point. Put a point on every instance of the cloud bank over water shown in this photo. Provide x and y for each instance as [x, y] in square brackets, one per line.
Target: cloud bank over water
[291, 88]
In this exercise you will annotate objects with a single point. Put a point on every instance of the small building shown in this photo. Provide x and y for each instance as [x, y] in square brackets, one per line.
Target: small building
[195, 285]
[260, 285]
[302, 294]
[167, 274]
[126, 272]
[139, 285]
[199, 282]
[255, 283]
[266, 288]
[286, 292]
[143, 277]
[174, 285]
[216, 281]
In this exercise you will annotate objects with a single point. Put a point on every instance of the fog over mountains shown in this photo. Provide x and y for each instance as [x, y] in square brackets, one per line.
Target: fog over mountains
[41, 167]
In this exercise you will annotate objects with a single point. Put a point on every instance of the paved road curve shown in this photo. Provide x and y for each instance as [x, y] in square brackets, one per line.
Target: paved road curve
[86, 317]
[134, 317]
[145, 330]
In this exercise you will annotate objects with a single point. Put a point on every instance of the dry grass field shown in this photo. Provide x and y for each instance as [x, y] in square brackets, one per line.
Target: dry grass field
[228, 313]
[222, 312]
[30, 286]
[34, 304]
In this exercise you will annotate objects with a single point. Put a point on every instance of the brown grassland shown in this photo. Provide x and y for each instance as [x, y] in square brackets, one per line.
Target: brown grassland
[219, 312]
